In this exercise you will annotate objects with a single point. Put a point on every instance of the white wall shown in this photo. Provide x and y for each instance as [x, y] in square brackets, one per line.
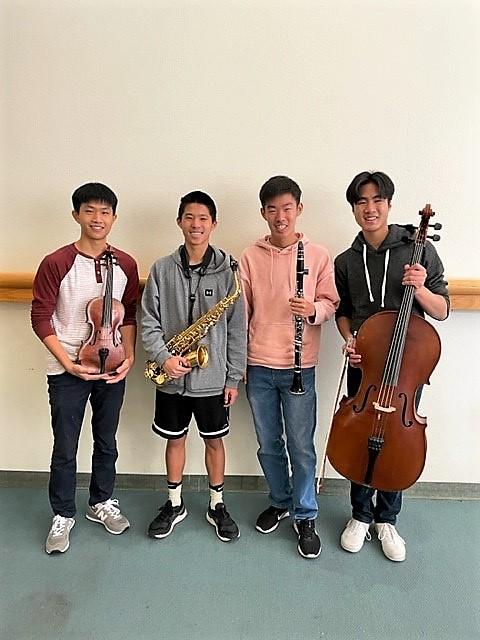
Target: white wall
[159, 98]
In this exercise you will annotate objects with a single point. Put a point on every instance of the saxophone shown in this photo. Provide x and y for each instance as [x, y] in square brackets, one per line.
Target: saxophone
[186, 343]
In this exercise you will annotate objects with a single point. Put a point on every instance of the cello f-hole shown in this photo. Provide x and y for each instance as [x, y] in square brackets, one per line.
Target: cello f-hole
[372, 387]
[405, 422]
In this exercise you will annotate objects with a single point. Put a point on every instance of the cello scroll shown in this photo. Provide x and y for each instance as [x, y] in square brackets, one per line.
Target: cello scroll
[377, 438]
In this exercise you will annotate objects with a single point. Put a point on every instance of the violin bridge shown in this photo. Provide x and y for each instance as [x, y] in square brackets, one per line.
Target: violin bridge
[384, 409]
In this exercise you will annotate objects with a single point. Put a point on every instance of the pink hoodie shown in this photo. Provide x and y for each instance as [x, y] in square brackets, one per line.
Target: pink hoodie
[269, 279]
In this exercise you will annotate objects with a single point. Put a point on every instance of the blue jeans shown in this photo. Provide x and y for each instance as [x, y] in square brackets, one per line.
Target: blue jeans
[386, 509]
[282, 418]
[68, 398]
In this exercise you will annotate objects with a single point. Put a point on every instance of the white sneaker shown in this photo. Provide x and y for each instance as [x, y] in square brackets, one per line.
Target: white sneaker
[354, 535]
[58, 538]
[393, 546]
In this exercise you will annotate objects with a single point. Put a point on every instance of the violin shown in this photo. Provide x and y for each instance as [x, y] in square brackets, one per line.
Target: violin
[103, 349]
[377, 439]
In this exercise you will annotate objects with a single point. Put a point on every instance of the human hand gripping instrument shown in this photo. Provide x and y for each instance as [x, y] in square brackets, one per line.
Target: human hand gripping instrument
[377, 439]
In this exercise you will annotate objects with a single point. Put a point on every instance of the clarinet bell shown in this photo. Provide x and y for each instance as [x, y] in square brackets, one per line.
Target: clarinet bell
[297, 385]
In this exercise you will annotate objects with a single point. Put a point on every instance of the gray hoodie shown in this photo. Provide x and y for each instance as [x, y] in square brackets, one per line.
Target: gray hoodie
[370, 280]
[165, 309]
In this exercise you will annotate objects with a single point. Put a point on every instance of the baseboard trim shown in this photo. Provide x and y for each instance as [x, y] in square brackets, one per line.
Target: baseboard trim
[332, 486]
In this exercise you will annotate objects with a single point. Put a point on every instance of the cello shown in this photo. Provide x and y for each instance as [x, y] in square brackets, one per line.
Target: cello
[103, 350]
[377, 439]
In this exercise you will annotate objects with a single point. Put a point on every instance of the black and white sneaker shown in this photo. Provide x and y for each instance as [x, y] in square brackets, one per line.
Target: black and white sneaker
[225, 527]
[309, 545]
[269, 519]
[167, 518]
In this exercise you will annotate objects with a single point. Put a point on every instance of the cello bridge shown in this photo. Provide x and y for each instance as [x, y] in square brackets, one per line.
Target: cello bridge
[378, 407]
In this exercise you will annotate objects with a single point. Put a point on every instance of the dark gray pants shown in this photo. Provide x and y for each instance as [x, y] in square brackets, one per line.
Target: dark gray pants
[68, 397]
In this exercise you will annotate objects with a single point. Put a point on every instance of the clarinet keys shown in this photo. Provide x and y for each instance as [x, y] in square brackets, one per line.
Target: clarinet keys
[297, 387]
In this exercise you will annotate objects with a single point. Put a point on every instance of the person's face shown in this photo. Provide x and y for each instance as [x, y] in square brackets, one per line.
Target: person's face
[95, 219]
[371, 210]
[281, 214]
[196, 224]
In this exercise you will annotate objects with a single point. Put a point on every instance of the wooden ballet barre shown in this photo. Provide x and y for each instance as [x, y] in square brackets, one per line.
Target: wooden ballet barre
[17, 287]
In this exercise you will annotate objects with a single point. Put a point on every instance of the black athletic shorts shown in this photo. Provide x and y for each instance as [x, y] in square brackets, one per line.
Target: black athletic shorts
[173, 414]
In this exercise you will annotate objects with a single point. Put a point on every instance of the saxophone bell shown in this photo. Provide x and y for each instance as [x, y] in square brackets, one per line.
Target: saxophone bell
[196, 358]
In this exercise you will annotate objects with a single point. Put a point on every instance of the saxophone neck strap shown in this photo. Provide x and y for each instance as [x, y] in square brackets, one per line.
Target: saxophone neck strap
[207, 257]
[187, 271]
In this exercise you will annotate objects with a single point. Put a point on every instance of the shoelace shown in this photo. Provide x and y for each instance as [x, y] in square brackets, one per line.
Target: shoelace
[224, 515]
[307, 530]
[354, 525]
[59, 525]
[166, 509]
[389, 531]
[111, 508]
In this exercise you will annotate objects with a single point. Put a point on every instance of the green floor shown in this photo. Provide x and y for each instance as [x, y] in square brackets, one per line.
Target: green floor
[193, 586]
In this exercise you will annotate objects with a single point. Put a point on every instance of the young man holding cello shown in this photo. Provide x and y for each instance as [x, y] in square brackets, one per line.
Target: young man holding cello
[371, 276]
[66, 282]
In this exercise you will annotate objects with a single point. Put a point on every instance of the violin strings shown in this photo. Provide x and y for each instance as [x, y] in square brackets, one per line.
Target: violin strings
[107, 315]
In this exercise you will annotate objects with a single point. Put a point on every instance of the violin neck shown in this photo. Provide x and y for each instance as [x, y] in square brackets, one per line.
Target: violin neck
[108, 295]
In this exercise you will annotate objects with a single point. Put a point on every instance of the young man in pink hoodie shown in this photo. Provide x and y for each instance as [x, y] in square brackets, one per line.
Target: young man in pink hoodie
[269, 275]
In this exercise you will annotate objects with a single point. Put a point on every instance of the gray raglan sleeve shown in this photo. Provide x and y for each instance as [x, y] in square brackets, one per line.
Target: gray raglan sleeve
[236, 344]
[153, 337]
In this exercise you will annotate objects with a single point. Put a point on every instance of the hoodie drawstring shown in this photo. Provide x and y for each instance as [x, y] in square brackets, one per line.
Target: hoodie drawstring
[292, 271]
[367, 275]
[271, 267]
[384, 283]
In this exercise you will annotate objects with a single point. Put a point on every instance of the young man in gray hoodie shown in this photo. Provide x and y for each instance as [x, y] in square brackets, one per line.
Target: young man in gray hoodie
[181, 288]
[371, 276]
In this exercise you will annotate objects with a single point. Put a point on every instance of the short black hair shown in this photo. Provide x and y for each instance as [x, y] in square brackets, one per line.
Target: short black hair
[198, 197]
[94, 192]
[278, 185]
[385, 186]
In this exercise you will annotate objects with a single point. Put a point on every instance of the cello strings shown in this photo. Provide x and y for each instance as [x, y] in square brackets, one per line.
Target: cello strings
[398, 339]
[397, 345]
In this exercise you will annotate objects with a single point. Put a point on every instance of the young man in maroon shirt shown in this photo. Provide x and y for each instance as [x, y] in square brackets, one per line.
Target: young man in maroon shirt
[65, 282]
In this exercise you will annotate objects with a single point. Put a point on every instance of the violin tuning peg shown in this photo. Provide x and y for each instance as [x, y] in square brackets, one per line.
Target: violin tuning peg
[435, 237]
[437, 226]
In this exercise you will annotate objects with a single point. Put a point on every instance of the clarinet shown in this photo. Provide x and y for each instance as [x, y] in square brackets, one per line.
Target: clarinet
[297, 383]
